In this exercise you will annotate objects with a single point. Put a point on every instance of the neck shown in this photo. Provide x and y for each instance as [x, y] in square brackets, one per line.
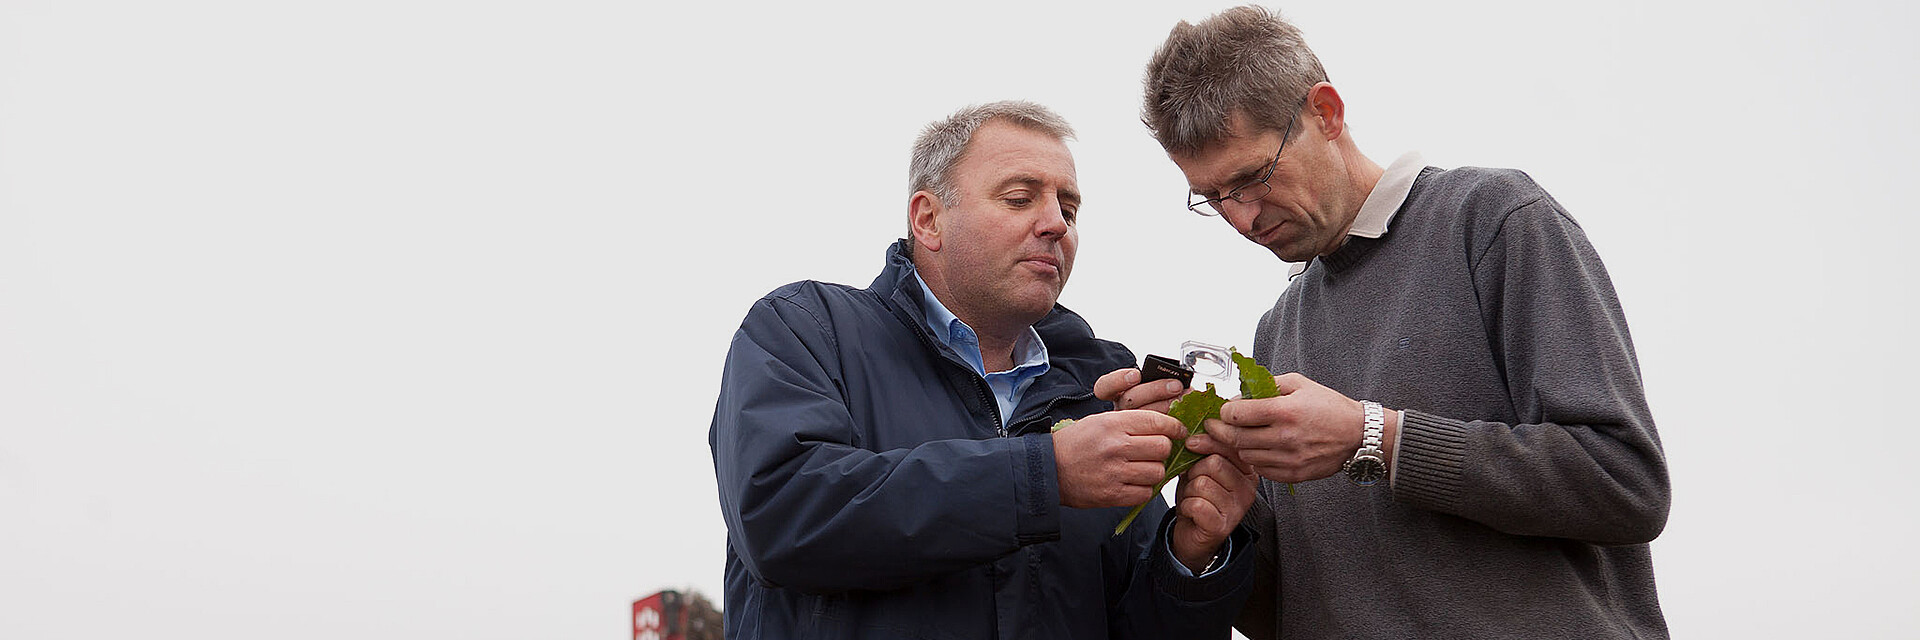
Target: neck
[1363, 174]
[996, 354]
[996, 338]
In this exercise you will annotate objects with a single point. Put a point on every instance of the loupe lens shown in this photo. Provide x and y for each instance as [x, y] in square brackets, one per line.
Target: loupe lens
[1208, 362]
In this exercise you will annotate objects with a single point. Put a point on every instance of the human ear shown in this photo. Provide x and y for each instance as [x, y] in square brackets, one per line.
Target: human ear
[1325, 105]
[923, 219]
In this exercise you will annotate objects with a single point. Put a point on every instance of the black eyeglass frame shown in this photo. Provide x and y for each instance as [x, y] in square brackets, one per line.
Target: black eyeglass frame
[1244, 193]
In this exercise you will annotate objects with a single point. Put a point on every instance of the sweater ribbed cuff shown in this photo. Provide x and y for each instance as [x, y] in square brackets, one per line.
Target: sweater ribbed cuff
[1427, 461]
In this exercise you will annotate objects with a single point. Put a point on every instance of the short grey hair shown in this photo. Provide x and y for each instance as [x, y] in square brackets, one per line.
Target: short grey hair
[1244, 59]
[942, 144]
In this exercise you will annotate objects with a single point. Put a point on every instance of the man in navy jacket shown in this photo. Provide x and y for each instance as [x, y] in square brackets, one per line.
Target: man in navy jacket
[885, 457]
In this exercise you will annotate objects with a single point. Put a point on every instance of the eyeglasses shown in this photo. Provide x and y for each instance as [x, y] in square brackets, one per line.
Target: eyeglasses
[1249, 192]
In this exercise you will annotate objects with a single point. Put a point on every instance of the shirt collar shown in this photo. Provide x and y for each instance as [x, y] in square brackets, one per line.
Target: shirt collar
[1028, 350]
[1382, 203]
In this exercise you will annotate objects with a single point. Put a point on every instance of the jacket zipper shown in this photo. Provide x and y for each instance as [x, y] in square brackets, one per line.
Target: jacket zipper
[993, 406]
[979, 383]
[1055, 402]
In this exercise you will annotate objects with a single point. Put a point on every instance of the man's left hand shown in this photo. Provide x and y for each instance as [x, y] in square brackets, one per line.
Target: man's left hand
[1213, 496]
[1123, 388]
[1305, 433]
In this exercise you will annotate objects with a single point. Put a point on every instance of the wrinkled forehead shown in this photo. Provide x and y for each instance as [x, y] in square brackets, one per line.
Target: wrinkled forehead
[1238, 132]
[1234, 158]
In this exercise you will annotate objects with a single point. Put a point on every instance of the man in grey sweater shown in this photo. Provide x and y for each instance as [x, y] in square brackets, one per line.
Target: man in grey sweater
[1511, 482]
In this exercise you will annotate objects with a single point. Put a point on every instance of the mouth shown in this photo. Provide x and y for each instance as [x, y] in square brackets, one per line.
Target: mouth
[1264, 237]
[1043, 262]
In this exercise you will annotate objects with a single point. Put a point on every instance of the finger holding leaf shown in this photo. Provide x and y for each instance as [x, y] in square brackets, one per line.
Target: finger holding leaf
[1212, 498]
[1193, 410]
[1112, 459]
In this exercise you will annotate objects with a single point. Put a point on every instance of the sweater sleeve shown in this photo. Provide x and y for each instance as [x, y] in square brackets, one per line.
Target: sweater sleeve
[1583, 460]
[807, 510]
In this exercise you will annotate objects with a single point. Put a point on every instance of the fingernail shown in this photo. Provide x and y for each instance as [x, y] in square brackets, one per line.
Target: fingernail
[1173, 386]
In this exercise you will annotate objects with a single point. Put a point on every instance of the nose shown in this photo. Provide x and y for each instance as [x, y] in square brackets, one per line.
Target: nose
[1053, 220]
[1240, 214]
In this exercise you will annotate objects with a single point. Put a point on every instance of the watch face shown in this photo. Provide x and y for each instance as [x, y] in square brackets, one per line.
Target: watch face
[1366, 471]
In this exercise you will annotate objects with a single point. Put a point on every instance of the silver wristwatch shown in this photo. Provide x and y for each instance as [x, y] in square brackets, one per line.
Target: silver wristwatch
[1369, 464]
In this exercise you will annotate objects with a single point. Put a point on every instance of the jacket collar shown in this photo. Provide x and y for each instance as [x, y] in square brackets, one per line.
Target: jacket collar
[1075, 356]
[897, 285]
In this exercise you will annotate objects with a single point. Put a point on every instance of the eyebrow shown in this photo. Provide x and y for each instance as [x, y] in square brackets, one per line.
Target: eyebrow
[1238, 179]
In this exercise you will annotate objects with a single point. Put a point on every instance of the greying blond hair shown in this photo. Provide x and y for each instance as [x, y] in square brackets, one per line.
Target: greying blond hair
[1244, 59]
[942, 143]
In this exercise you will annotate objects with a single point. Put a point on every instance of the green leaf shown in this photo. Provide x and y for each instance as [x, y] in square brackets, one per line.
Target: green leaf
[1193, 409]
[1255, 380]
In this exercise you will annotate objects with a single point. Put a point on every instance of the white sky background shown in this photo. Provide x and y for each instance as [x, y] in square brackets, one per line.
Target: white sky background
[405, 318]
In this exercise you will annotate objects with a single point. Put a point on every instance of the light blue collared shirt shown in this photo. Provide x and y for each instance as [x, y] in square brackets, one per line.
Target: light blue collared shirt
[1029, 353]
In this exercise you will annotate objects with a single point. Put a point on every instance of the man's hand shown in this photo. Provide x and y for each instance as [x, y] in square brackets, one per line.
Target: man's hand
[1303, 434]
[1113, 459]
[1213, 496]
[1122, 387]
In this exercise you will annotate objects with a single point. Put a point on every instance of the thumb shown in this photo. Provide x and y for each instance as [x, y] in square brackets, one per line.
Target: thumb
[1291, 382]
[1204, 444]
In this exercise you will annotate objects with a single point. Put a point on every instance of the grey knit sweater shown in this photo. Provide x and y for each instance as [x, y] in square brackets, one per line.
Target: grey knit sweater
[1528, 478]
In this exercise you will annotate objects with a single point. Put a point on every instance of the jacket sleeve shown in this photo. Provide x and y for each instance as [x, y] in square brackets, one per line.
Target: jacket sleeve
[1259, 619]
[1583, 462]
[807, 510]
[1159, 602]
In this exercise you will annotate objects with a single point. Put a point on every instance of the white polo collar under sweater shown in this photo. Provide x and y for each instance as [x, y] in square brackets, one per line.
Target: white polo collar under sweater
[1382, 203]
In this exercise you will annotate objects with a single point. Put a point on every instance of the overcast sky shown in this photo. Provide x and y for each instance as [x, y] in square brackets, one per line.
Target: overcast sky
[404, 318]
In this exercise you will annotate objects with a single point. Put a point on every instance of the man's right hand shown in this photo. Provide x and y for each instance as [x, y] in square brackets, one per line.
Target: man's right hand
[1113, 459]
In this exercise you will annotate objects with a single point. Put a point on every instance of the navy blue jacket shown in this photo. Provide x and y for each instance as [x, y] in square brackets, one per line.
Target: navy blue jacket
[868, 492]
